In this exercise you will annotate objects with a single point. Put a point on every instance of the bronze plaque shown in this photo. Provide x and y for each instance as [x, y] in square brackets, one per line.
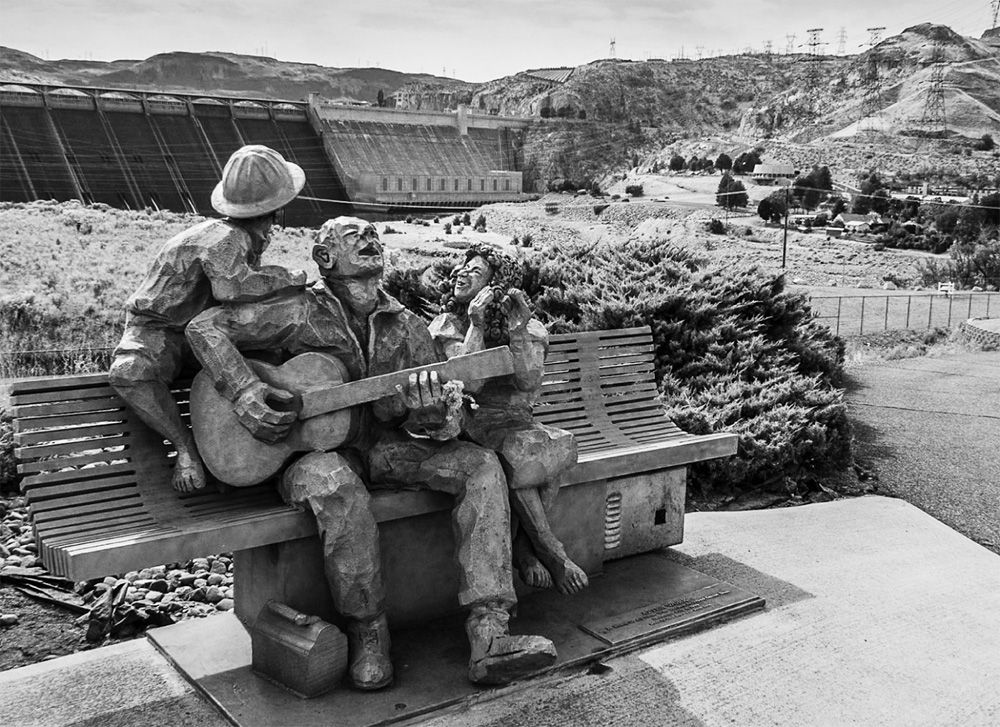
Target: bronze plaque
[681, 613]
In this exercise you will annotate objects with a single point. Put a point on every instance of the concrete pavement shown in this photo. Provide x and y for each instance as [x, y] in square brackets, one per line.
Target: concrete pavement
[877, 614]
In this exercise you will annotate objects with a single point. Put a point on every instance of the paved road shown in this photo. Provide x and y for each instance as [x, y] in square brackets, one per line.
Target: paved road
[930, 429]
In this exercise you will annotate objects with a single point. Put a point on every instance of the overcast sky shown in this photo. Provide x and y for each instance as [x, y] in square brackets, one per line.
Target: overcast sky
[472, 40]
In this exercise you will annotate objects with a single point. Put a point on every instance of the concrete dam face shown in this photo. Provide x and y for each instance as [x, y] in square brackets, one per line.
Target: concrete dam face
[138, 150]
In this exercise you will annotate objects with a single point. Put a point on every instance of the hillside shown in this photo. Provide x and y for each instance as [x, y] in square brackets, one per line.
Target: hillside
[224, 74]
[611, 115]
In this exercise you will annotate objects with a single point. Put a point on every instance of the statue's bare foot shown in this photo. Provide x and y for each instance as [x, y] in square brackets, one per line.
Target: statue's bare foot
[189, 475]
[532, 572]
[568, 576]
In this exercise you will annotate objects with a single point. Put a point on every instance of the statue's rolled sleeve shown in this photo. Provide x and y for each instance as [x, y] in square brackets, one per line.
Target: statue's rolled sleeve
[528, 347]
[233, 281]
[217, 335]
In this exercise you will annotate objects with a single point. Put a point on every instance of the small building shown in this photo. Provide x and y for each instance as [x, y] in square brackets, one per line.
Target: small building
[770, 173]
[860, 223]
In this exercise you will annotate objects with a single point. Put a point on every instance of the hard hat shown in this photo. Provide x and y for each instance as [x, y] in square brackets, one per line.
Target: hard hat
[256, 180]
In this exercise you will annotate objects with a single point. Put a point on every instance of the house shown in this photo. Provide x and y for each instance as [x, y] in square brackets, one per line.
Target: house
[861, 223]
[770, 173]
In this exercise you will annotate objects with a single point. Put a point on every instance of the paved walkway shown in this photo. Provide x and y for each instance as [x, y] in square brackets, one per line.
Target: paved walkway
[877, 615]
[930, 429]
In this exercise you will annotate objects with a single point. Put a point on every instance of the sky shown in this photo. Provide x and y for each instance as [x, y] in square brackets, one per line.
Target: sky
[471, 40]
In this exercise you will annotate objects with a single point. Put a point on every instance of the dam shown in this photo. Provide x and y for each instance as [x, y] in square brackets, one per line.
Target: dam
[157, 150]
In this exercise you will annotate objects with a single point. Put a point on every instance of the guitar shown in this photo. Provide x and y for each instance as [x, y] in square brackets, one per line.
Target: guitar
[323, 400]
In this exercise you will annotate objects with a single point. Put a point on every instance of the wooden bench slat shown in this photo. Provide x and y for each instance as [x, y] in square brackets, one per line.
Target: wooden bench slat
[114, 487]
[47, 397]
[61, 532]
[30, 414]
[582, 337]
[55, 464]
[129, 500]
[72, 434]
[58, 383]
[75, 474]
[85, 446]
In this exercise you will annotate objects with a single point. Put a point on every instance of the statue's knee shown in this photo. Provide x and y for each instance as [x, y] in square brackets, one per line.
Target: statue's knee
[323, 476]
[128, 370]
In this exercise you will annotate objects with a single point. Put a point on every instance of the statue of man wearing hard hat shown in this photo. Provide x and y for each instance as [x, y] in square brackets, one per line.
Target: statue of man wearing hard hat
[216, 261]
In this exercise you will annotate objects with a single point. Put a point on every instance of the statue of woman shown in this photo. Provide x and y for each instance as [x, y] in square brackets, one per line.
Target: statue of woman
[484, 307]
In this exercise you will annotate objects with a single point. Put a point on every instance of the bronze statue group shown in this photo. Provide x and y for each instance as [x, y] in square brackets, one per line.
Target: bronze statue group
[208, 301]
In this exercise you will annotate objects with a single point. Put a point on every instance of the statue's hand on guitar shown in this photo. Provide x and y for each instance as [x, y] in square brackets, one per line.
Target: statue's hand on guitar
[263, 422]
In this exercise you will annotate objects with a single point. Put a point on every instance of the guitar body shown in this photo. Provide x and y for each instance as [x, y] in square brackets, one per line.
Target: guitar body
[323, 401]
[236, 457]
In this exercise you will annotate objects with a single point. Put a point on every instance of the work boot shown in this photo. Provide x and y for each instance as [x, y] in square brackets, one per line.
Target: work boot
[368, 646]
[497, 657]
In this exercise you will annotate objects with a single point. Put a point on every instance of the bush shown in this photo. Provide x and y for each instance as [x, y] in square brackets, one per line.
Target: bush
[466, 220]
[480, 225]
[447, 228]
[734, 351]
[634, 189]
[716, 227]
[8, 469]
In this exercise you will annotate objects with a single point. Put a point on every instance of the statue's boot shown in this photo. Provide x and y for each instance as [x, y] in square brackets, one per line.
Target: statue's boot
[499, 658]
[368, 645]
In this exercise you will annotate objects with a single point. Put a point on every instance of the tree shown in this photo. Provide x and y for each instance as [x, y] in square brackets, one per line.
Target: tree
[676, 162]
[805, 193]
[724, 163]
[778, 202]
[746, 161]
[765, 210]
[731, 193]
[694, 163]
[380, 98]
[864, 202]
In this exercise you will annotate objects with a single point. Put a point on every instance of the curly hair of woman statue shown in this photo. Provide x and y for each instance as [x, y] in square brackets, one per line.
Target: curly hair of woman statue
[506, 274]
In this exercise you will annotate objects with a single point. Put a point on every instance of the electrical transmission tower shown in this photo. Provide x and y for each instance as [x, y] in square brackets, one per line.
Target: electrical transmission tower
[812, 68]
[842, 41]
[611, 52]
[996, 11]
[871, 123]
[767, 48]
[934, 121]
[789, 43]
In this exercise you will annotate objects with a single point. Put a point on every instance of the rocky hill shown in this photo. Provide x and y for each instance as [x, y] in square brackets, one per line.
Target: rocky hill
[224, 74]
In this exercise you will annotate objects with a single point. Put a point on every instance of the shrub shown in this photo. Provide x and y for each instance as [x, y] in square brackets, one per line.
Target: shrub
[466, 219]
[634, 189]
[480, 225]
[734, 351]
[716, 227]
[8, 470]
[447, 228]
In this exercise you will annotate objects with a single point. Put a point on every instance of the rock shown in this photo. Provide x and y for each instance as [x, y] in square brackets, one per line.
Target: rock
[154, 596]
[219, 567]
[888, 285]
[146, 574]
[30, 561]
[199, 564]
[216, 579]
[132, 576]
[159, 585]
[183, 592]
[188, 579]
[8, 619]
[214, 594]
[226, 604]
[200, 583]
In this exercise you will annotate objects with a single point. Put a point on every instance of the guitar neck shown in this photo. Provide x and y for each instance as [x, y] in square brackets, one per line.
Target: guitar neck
[480, 365]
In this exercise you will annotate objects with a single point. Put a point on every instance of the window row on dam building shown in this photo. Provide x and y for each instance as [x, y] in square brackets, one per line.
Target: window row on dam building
[449, 184]
[431, 188]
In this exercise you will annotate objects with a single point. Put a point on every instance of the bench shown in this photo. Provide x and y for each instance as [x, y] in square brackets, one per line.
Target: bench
[946, 288]
[97, 482]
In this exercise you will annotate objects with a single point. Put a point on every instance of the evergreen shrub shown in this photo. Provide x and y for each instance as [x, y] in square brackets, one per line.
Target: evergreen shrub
[735, 351]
